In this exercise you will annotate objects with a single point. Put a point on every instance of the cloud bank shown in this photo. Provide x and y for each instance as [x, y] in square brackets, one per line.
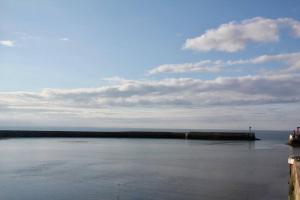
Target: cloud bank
[187, 102]
[182, 92]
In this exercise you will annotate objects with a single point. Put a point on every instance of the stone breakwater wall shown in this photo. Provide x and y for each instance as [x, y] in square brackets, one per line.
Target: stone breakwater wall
[130, 134]
[294, 187]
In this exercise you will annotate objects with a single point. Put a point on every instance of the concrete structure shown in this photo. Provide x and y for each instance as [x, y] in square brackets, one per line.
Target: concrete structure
[294, 187]
[131, 134]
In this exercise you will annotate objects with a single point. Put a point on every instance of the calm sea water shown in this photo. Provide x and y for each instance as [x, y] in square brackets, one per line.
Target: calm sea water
[90, 169]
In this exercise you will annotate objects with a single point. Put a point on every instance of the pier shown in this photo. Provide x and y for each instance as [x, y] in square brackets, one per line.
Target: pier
[294, 186]
[193, 135]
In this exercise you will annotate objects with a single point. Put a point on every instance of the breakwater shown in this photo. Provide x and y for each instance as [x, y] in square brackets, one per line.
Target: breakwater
[294, 181]
[130, 134]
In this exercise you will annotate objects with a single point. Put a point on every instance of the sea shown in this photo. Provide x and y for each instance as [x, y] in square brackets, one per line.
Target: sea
[145, 169]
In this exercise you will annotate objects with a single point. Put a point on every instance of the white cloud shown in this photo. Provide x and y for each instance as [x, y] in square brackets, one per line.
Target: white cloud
[234, 36]
[205, 66]
[26, 36]
[64, 39]
[293, 24]
[8, 43]
[290, 61]
[115, 79]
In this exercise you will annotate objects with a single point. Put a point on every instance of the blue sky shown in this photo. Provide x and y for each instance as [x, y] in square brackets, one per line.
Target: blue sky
[95, 58]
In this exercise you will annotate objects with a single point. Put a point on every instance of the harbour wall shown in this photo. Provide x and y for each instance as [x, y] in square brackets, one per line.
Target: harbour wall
[130, 134]
[294, 187]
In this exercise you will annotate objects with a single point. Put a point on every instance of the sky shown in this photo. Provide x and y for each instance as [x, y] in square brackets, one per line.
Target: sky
[205, 64]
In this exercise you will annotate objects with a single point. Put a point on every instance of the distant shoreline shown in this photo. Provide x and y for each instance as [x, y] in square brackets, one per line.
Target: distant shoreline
[196, 135]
